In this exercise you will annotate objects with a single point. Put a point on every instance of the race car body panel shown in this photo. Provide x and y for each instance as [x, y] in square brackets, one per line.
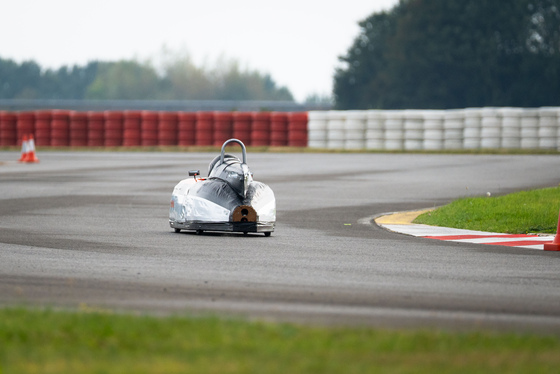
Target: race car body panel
[228, 200]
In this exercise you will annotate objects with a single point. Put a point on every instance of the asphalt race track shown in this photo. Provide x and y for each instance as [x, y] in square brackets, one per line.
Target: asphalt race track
[85, 228]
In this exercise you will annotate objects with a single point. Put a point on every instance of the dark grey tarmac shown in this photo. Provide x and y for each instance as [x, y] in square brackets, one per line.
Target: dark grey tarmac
[91, 229]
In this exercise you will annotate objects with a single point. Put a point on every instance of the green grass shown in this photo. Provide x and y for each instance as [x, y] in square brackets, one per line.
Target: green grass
[517, 213]
[46, 341]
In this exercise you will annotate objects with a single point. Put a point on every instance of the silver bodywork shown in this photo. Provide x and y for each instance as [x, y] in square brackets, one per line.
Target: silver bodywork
[227, 200]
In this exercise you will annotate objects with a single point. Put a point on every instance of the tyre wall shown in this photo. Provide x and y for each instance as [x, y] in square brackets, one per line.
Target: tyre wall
[457, 129]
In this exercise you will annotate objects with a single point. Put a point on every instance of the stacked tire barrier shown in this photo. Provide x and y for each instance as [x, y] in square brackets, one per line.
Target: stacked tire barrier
[297, 129]
[131, 128]
[60, 128]
[223, 127]
[204, 127]
[96, 129]
[114, 129]
[260, 134]
[186, 128]
[412, 130]
[279, 129]
[167, 128]
[149, 128]
[78, 129]
[43, 128]
[457, 129]
[25, 124]
[8, 128]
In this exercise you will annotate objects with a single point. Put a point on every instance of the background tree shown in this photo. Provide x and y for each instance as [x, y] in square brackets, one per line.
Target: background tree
[447, 54]
[123, 80]
[68, 82]
[221, 80]
[177, 78]
[183, 80]
[19, 81]
[233, 83]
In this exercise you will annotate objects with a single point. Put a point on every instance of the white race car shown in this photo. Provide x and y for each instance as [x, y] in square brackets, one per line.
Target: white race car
[227, 200]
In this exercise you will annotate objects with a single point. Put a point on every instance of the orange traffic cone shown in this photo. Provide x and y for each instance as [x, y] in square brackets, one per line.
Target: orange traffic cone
[24, 149]
[555, 244]
[31, 156]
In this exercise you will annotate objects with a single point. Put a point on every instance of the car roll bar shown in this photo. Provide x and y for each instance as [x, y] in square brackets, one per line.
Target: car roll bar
[234, 141]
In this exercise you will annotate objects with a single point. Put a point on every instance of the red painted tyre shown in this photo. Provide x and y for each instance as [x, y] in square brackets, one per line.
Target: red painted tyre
[204, 121]
[43, 120]
[261, 121]
[131, 138]
[223, 121]
[132, 120]
[260, 129]
[279, 121]
[297, 139]
[220, 137]
[113, 128]
[149, 139]
[96, 129]
[242, 122]
[204, 139]
[278, 139]
[168, 121]
[131, 128]
[260, 138]
[60, 128]
[8, 129]
[78, 129]
[204, 128]
[167, 128]
[223, 127]
[279, 129]
[149, 128]
[186, 127]
[150, 121]
[25, 124]
[297, 129]
[297, 121]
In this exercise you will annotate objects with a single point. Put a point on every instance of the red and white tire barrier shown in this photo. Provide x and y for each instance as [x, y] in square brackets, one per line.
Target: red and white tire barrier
[470, 128]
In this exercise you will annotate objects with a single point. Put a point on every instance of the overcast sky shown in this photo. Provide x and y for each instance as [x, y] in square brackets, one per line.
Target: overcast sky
[297, 42]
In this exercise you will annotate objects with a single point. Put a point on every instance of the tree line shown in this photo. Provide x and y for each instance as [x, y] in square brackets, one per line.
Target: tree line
[178, 78]
[453, 54]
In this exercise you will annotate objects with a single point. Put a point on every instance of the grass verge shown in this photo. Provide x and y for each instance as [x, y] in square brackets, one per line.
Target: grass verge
[522, 212]
[46, 341]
